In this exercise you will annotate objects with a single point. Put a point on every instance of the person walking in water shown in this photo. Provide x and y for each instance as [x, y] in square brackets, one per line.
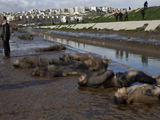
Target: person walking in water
[5, 36]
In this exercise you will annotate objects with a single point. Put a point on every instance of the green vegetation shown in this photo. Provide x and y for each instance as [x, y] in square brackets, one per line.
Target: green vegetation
[151, 13]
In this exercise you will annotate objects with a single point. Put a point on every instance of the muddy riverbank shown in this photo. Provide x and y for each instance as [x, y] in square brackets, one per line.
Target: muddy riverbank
[23, 97]
[137, 54]
[150, 35]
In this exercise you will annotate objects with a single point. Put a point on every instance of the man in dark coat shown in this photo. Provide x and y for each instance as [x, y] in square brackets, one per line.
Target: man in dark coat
[120, 16]
[146, 4]
[143, 13]
[5, 36]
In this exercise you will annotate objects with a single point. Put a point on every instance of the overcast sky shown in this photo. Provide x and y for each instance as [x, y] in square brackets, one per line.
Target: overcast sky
[21, 5]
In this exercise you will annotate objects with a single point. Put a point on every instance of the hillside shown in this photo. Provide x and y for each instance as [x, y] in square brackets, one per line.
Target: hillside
[151, 13]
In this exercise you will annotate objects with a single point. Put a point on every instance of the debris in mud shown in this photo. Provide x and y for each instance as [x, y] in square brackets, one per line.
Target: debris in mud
[26, 37]
[52, 48]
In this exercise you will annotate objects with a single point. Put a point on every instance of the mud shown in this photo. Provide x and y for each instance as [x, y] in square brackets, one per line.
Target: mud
[52, 48]
[41, 98]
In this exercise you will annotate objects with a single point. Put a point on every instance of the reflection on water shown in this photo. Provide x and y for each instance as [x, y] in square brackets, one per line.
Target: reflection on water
[108, 36]
[139, 61]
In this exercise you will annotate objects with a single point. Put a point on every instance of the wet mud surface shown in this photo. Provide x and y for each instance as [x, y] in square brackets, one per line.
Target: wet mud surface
[23, 97]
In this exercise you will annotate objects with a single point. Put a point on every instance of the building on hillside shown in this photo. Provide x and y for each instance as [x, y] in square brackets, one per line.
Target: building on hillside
[79, 10]
[71, 11]
[93, 8]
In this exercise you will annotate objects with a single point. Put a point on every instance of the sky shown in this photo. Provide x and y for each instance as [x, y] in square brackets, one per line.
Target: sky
[22, 5]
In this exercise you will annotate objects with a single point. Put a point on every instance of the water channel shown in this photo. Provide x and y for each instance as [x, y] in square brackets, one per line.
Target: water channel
[146, 62]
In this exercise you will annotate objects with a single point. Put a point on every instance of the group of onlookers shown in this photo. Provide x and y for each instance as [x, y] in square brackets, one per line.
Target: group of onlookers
[124, 16]
[119, 16]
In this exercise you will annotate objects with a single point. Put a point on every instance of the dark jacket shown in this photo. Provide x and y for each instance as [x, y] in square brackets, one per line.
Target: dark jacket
[5, 32]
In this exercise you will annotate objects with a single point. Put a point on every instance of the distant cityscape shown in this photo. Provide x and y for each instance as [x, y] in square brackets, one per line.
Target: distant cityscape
[54, 16]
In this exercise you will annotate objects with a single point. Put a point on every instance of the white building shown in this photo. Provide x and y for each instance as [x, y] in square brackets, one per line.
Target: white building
[10, 18]
[79, 10]
[71, 10]
[93, 8]
[63, 19]
[105, 9]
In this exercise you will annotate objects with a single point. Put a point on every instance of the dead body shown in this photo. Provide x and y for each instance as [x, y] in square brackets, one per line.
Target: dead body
[85, 62]
[26, 37]
[144, 93]
[109, 79]
[52, 48]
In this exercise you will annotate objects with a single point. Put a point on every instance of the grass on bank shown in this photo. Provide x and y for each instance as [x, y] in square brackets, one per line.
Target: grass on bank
[151, 13]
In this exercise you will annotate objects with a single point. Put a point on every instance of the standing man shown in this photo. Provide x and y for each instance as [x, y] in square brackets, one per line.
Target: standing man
[146, 4]
[126, 16]
[143, 13]
[120, 16]
[116, 16]
[5, 36]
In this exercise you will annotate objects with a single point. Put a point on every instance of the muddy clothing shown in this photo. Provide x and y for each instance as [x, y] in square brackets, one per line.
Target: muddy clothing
[144, 93]
[5, 36]
[128, 78]
[97, 79]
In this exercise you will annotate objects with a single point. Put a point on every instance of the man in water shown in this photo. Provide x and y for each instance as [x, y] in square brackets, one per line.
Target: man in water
[5, 36]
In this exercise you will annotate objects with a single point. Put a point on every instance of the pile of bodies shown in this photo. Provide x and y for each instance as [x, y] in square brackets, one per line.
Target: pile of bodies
[70, 64]
[134, 87]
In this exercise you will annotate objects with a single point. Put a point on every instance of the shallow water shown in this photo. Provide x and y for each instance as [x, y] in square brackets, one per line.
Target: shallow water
[141, 61]
[23, 97]
[108, 36]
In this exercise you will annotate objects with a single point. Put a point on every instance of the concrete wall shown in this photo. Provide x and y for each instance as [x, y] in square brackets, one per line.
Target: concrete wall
[129, 25]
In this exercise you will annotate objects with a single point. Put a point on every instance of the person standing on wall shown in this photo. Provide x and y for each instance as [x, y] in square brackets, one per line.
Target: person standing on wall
[116, 16]
[143, 13]
[121, 16]
[5, 36]
[126, 16]
[146, 4]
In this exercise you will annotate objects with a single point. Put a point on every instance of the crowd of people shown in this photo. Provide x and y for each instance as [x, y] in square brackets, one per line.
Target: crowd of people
[119, 16]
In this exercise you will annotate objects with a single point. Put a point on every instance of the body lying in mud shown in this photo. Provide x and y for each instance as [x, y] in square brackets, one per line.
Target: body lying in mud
[52, 48]
[93, 73]
[108, 79]
[143, 93]
[26, 37]
[70, 64]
